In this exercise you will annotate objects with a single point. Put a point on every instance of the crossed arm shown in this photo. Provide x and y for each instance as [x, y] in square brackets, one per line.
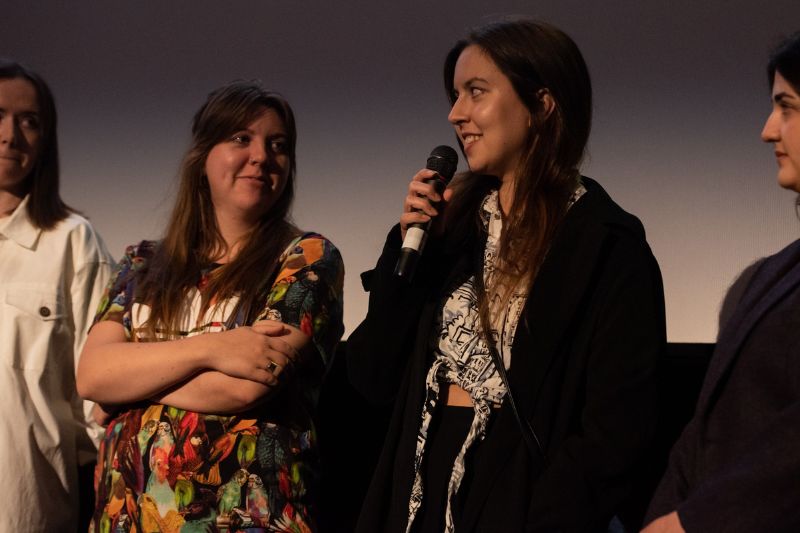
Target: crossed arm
[223, 372]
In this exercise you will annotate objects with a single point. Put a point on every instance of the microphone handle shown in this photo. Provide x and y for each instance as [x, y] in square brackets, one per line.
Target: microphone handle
[414, 242]
[416, 235]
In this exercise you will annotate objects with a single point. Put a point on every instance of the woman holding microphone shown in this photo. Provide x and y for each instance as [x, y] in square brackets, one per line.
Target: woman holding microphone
[521, 356]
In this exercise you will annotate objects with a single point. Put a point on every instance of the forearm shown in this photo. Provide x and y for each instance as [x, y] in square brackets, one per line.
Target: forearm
[673, 486]
[214, 392]
[123, 372]
[757, 490]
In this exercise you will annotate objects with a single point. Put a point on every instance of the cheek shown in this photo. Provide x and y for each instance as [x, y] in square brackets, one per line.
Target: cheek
[790, 138]
[280, 172]
[219, 165]
[513, 124]
[32, 153]
[484, 116]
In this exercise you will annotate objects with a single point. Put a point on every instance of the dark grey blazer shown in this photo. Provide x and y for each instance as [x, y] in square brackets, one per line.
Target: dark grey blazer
[583, 372]
[736, 466]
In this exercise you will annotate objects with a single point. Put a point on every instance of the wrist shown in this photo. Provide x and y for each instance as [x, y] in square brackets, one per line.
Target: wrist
[199, 351]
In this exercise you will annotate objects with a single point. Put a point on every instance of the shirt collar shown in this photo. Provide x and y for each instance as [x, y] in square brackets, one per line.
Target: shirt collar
[19, 228]
[490, 208]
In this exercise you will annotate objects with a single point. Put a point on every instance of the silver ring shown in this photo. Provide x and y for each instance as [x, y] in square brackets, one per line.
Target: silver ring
[272, 366]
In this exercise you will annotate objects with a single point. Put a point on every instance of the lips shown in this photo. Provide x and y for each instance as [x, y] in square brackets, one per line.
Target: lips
[469, 138]
[254, 178]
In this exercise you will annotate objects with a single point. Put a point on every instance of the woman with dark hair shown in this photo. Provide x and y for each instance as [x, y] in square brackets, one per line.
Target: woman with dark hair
[53, 267]
[735, 467]
[212, 342]
[521, 356]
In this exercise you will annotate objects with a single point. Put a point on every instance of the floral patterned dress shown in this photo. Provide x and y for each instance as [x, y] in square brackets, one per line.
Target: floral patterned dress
[169, 470]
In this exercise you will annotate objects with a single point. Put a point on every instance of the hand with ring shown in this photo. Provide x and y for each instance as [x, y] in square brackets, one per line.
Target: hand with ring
[258, 353]
[274, 368]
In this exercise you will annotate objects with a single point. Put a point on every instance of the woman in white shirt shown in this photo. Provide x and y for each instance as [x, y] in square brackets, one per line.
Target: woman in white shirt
[53, 268]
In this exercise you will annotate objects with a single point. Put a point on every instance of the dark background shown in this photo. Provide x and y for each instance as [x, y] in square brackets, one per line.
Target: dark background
[681, 97]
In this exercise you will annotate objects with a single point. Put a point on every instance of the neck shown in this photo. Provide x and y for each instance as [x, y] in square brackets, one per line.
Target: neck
[8, 203]
[506, 194]
[234, 232]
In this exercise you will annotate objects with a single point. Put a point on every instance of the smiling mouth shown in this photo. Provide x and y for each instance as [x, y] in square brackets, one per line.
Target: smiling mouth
[470, 138]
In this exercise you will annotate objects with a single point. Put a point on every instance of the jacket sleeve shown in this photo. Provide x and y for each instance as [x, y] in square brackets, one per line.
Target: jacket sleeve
[593, 468]
[672, 488]
[378, 349]
[760, 493]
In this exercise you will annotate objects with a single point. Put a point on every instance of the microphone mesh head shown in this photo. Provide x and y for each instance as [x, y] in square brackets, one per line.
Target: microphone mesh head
[443, 160]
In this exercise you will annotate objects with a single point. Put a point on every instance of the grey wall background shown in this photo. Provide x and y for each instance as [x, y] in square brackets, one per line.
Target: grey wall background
[680, 92]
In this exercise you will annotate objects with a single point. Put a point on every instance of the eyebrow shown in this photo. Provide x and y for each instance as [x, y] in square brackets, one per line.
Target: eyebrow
[24, 112]
[782, 96]
[474, 79]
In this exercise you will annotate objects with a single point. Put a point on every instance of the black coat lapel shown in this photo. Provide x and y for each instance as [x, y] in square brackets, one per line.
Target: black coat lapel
[776, 278]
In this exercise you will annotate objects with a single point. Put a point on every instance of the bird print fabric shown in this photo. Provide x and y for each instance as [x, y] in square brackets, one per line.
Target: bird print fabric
[169, 470]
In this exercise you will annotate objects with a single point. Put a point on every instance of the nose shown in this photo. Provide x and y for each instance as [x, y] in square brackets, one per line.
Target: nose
[258, 153]
[458, 113]
[771, 132]
[8, 130]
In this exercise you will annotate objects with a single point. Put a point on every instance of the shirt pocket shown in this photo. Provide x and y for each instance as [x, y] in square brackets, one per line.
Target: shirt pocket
[41, 334]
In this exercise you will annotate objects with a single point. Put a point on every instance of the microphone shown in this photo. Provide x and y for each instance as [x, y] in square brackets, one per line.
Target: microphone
[443, 160]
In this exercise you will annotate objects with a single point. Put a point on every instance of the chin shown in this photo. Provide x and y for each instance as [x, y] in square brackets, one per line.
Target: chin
[790, 182]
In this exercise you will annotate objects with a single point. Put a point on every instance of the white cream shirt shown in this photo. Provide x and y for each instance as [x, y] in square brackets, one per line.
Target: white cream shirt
[50, 285]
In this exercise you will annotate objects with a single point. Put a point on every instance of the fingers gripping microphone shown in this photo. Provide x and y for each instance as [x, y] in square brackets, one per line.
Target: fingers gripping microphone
[443, 160]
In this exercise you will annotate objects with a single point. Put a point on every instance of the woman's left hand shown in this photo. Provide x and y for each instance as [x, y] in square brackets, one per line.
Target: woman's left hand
[287, 340]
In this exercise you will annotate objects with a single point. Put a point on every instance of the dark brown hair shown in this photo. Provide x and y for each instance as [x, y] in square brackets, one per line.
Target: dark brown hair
[45, 207]
[193, 240]
[786, 60]
[536, 57]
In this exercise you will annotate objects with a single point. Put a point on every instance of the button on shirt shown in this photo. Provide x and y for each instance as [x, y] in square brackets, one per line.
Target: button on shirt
[50, 285]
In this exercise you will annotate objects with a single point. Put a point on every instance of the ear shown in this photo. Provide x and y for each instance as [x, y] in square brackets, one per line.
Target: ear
[547, 100]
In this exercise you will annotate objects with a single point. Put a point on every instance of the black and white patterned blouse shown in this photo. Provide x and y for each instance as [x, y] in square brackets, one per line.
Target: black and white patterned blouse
[461, 357]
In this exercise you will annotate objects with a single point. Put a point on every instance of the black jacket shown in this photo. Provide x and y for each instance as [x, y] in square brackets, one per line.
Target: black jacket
[583, 372]
[736, 466]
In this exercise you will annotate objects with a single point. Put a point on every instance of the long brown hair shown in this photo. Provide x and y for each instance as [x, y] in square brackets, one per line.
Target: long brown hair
[535, 57]
[45, 206]
[193, 240]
